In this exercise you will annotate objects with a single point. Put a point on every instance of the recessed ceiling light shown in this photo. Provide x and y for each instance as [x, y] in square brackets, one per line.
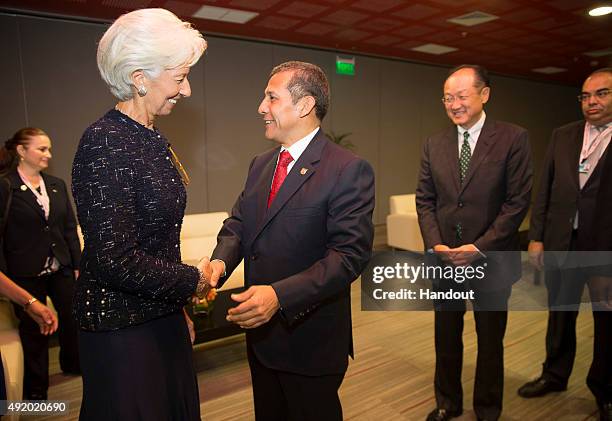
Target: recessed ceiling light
[473, 18]
[599, 53]
[600, 11]
[436, 49]
[549, 70]
[224, 14]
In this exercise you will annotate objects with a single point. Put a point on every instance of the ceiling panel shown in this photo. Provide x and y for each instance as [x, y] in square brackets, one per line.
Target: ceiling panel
[527, 33]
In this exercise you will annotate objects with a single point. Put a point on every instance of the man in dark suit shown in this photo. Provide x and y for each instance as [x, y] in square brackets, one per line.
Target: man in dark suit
[303, 225]
[563, 225]
[473, 192]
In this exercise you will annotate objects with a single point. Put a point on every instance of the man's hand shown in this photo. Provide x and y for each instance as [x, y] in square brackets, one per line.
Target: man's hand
[257, 305]
[464, 255]
[442, 251]
[600, 290]
[536, 254]
[212, 270]
[43, 316]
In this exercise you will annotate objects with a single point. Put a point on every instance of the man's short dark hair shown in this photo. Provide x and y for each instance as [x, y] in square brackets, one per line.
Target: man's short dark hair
[482, 75]
[307, 79]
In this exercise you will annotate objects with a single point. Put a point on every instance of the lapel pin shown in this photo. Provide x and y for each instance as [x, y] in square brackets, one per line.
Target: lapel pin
[54, 191]
[23, 187]
[303, 171]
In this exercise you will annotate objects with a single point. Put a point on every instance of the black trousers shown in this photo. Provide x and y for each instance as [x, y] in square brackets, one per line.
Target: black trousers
[565, 287]
[490, 331]
[60, 287]
[283, 396]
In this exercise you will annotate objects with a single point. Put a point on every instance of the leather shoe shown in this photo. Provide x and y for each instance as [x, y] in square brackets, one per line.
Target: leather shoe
[605, 412]
[440, 414]
[539, 387]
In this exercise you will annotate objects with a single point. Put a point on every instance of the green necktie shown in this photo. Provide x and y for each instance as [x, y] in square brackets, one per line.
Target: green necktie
[464, 164]
[464, 157]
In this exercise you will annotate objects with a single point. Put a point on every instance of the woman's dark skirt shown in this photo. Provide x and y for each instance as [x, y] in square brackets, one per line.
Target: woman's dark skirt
[143, 372]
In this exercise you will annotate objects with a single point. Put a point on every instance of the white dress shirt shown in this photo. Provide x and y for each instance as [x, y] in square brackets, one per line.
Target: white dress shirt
[474, 132]
[297, 149]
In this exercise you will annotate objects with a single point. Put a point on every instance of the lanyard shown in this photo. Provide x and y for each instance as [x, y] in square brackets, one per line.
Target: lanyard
[588, 146]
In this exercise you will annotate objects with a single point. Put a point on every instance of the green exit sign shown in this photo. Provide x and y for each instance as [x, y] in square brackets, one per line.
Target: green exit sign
[345, 66]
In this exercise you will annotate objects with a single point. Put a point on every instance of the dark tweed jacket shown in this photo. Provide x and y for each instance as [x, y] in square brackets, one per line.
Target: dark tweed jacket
[130, 202]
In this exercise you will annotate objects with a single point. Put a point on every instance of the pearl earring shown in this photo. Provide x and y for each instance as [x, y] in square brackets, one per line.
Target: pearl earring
[142, 91]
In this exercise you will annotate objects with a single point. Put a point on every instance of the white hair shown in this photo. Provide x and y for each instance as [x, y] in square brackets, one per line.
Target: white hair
[151, 40]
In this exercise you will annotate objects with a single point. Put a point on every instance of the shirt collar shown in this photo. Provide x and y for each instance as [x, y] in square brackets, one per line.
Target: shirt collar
[300, 146]
[474, 131]
[598, 129]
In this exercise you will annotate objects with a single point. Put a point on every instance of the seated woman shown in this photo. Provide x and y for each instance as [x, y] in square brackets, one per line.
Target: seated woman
[40, 313]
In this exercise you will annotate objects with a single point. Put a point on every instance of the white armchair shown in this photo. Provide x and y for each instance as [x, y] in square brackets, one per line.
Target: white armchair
[199, 238]
[12, 353]
[403, 230]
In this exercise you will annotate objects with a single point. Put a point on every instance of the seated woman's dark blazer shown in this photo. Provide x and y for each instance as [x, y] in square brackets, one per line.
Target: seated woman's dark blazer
[30, 238]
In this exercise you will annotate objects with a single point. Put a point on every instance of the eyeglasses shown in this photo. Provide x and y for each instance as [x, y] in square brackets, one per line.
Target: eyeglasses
[601, 94]
[179, 167]
[449, 99]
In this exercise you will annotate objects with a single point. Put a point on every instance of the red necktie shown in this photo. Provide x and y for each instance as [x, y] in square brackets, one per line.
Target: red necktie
[279, 175]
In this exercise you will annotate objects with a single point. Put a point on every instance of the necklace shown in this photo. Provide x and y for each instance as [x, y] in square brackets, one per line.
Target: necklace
[146, 125]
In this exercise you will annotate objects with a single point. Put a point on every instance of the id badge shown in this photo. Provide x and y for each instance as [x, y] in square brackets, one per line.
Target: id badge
[584, 168]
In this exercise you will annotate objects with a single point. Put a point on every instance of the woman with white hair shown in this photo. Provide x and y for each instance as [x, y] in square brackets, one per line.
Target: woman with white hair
[134, 336]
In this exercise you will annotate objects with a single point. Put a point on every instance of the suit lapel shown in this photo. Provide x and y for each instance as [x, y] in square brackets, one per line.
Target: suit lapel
[52, 191]
[262, 187]
[452, 153]
[574, 158]
[301, 171]
[21, 191]
[483, 146]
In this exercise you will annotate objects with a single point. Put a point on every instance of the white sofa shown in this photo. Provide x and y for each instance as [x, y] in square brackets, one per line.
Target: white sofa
[198, 239]
[12, 353]
[403, 230]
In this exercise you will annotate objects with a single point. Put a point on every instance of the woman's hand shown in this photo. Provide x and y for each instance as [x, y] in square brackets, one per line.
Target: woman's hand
[44, 316]
[190, 327]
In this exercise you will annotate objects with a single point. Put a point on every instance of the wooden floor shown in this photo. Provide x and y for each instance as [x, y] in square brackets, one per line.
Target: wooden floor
[392, 374]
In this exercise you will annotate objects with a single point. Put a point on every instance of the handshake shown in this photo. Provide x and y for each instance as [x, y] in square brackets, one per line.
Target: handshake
[210, 272]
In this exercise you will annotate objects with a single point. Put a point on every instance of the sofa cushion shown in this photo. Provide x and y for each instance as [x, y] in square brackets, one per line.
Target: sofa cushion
[402, 203]
[199, 238]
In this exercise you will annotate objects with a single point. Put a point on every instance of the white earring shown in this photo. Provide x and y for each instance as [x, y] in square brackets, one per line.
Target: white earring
[142, 91]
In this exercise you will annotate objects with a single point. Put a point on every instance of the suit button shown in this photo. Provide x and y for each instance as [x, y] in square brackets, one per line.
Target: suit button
[53, 244]
[460, 204]
[254, 257]
[46, 229]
